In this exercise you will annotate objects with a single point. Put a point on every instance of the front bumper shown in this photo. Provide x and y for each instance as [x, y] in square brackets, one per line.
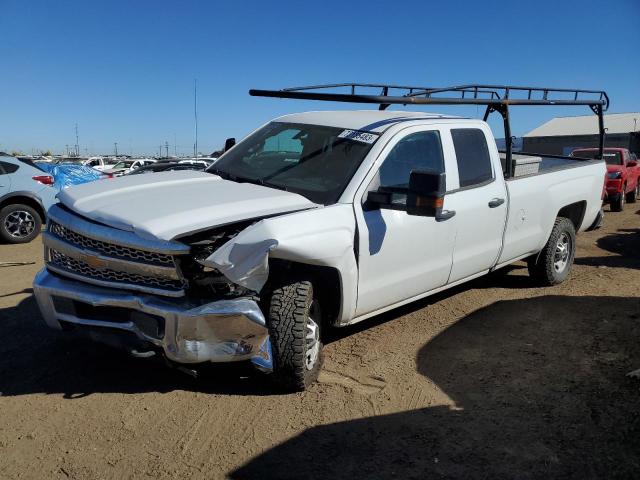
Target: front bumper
[222, 331]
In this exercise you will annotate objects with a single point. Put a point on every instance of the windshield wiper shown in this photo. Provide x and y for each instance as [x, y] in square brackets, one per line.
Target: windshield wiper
[261, 182]
[222, 174]
[275, 185]
[255, 181]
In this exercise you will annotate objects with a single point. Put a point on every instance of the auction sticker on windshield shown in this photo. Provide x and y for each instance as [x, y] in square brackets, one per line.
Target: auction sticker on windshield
[364, 137]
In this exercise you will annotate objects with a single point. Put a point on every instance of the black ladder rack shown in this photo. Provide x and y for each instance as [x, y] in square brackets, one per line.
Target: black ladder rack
[497, 98]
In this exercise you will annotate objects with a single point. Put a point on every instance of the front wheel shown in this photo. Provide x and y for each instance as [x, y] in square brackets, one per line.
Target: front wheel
[19, 223]
[294, 327]
[553, 264]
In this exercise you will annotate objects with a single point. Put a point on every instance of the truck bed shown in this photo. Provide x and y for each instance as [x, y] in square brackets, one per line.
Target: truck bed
[535, 200]
[545, 163]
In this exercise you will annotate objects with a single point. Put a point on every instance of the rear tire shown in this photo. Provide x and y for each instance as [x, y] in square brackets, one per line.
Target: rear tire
[633, 196]
[618, 204]
[553, 264]
[294, 327]
[19, 223]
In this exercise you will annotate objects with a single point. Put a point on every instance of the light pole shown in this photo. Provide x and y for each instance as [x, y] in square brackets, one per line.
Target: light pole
[77, 142]
[195, 116]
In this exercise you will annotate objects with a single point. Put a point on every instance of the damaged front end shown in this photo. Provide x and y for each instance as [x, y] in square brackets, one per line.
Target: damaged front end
[99, 280]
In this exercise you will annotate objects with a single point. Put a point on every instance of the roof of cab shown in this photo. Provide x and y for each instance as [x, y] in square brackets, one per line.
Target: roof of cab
[364, 120]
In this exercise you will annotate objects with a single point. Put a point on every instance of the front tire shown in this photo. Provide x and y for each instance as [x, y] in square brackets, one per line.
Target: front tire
[19, 223]
[294, 327]
[553, 264]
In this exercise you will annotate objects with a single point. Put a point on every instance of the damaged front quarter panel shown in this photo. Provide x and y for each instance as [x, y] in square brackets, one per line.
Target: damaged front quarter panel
[323, 237]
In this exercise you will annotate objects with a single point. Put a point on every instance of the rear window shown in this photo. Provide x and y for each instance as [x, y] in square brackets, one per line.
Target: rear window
[9, 167]
[30, 162]
[612, 158]
[472, 154]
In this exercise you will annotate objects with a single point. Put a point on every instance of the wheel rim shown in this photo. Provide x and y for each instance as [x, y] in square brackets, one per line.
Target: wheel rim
[312, 340]
[19, 224]
[563, 253]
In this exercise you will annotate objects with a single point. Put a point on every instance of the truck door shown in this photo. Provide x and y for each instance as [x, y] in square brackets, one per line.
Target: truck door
[479, 200]
[402, 256]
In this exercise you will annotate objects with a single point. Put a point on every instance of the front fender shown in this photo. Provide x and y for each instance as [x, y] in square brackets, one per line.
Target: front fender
[323, 236]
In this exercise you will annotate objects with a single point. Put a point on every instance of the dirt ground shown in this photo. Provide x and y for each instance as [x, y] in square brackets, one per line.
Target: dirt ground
[495, 379]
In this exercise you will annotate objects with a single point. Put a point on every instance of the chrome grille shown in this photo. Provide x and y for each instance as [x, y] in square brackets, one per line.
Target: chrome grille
[78, 267]
[109, 249]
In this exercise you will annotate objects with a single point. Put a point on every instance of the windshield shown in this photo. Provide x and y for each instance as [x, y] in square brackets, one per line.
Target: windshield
[122, 165]
[312, 160]
[611, 157]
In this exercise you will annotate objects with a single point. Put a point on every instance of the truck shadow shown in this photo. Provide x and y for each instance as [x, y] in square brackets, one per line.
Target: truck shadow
[625, 244]
[499, 279]
[539, 391]
[40, 360]
[36, 359]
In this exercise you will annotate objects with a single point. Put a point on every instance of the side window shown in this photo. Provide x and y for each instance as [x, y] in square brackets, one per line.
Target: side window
[418, 151]
[6, 167]
[472, 153]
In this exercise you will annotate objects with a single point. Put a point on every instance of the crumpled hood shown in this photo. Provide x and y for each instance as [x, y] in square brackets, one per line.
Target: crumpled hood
[166, 205]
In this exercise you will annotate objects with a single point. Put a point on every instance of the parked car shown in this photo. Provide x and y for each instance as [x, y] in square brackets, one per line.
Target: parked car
[623, 171]
[100, 163]
[314, 220]
[26, 193]
[203, 161]
[127, 166]
[167, 167]
[68, 174]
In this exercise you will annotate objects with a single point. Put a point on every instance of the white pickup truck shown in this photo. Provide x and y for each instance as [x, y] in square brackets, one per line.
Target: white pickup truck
[314, 220]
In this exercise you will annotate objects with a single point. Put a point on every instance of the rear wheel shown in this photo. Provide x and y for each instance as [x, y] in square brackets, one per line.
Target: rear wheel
[19, 223]
[633, 195]
[553, 264]
[294, 327]
[618, 204]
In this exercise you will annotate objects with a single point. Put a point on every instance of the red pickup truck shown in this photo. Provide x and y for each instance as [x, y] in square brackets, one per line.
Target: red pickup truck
[622, 183]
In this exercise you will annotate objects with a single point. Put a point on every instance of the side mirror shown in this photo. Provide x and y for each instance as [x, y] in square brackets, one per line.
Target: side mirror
[229, 142]
[376, 199]
[426, 193]
[632, 163]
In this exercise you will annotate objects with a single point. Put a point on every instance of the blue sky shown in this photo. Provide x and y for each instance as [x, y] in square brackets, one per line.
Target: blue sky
[124, 70]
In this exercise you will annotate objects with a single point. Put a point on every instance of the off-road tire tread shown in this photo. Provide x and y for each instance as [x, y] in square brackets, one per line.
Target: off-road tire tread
[288, 310]
[541, 265]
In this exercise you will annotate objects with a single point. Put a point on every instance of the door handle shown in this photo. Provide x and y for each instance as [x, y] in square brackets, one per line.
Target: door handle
[444, 215]
[496, 202]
